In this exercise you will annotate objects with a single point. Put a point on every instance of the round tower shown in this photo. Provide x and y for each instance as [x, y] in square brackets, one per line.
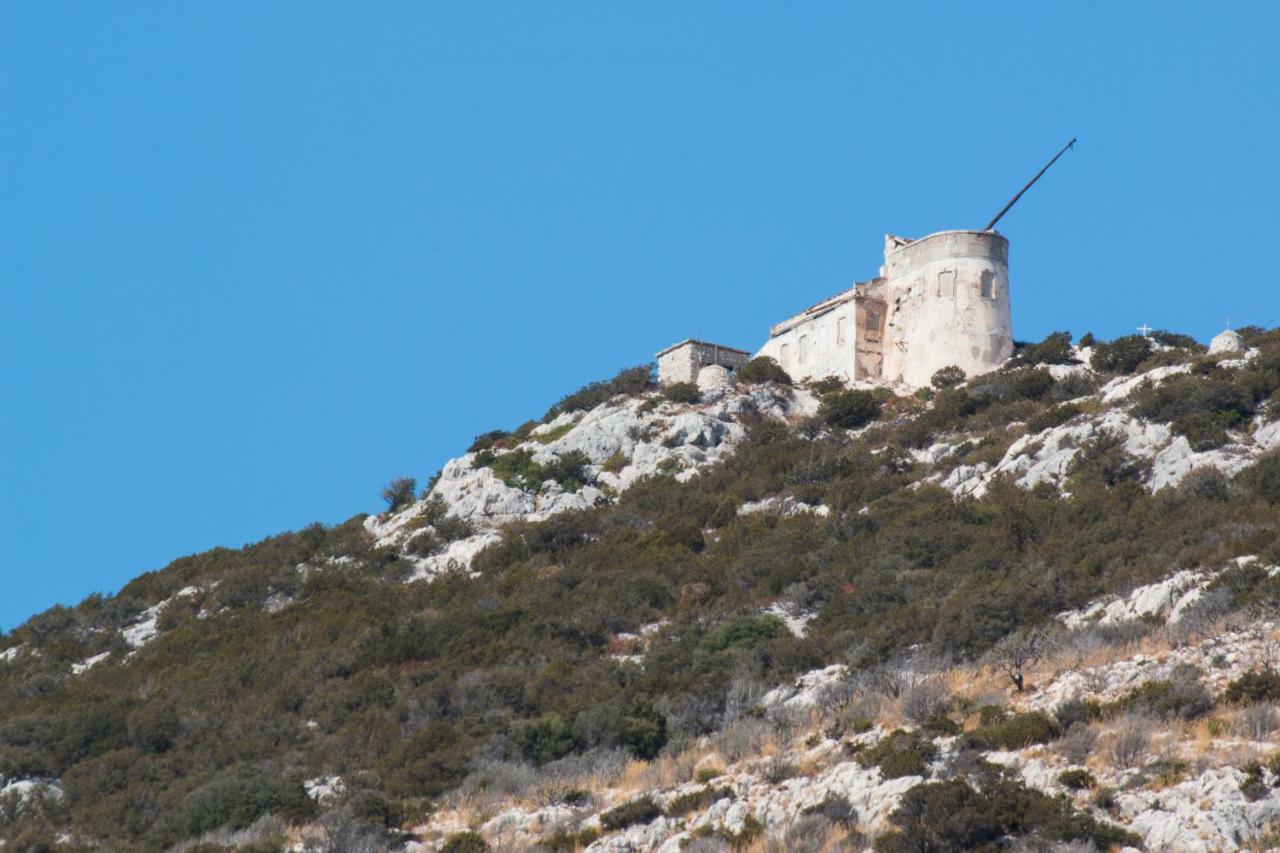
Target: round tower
[948, 303]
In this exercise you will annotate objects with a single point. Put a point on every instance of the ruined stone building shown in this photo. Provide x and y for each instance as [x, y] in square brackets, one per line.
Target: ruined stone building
[940, 300]
[698, 361]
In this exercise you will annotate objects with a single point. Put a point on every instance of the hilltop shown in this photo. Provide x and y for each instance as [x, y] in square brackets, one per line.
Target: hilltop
[1031, 608]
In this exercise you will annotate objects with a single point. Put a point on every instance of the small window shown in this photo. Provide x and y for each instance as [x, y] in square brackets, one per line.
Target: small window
[804, 348]
[947, 283]
[840, 331]
[873, 321]
[987, 285]
[786, 355]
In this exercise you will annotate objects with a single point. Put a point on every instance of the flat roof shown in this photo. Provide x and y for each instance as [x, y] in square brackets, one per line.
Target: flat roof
[828, 304]
[694, 341]
[912, 242]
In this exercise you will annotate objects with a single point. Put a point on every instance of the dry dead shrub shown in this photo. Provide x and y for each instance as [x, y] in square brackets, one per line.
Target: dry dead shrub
[1127, 746]
[924, 701]
[1078, 742]
[1257, 722]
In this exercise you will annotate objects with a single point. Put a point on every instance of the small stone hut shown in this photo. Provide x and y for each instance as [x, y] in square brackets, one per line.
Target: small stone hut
[681, 362]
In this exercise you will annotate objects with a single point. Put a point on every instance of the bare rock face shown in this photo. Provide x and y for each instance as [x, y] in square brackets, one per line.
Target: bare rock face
[624, 440]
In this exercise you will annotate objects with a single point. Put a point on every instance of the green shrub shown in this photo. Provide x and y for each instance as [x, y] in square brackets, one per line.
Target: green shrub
[644, 730]
[1052, 417]
[1175, 339]
[399, 493]
[1077, 779]
[465, 842]
[546, 739]
[1054, 349]
[1181, 696]
[1020, 730]
[1256, 685]
[489, 440]
[1123, 355]
[631, 381]
[451, 528]
[947, 377]
[953, 815]
[696, 801]
[762, 369]
[237, 797]
[519, 470]
[900, 753]
[837, 810]
[682, 392]
[849, 409]
[1103, 460]
[1030, 384]
[643, 810]
[826, 385]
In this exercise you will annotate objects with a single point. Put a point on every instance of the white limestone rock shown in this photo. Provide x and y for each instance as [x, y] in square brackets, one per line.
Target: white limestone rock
[1207, 813]
[1168, 598]
[1120, 388]
[635, 437]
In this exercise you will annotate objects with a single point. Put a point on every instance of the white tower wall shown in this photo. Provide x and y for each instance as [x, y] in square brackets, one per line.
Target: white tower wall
[948, 303]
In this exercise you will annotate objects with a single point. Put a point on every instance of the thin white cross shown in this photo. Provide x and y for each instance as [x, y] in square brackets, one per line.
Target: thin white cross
[1145, 329]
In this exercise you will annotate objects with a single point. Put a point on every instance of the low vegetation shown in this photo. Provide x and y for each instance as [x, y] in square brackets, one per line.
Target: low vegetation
[414, 692]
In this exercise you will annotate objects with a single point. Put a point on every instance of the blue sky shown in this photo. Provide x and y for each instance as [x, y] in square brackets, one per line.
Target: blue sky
[256, 259]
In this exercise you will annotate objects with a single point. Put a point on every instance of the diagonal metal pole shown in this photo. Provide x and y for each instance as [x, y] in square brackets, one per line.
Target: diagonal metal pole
[1014, 200]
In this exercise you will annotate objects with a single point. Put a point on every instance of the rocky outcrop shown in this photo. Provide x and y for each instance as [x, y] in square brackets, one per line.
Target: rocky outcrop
[625, 440]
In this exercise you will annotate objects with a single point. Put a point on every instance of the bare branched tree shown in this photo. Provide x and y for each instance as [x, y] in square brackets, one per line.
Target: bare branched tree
[1019, 652]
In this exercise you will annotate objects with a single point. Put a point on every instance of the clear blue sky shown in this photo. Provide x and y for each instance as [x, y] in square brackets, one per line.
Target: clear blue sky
[258, 258]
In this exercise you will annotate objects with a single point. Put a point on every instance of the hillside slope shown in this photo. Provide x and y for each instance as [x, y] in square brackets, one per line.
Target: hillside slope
[1033, 608]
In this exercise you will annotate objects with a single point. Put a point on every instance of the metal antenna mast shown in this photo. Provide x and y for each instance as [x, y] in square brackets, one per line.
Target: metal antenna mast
[1014, 200]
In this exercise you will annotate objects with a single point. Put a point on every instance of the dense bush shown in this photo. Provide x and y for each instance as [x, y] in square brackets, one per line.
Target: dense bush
[465, 842]
[1203, 405]
[642, 810]
[489, 440]
[520, 470]
[412, 686]
[1123, 355]
[630, 381]
[1020, 731]
[1181, 696]
[696, 801]
[947, 377]
[546, 739]
[1256, 685]
[399, 493]
[1054, 349]
[682, 392]
[900, 753]
[1077, 779]
[644, 730]
[762, 369]
[849, 409]
[955, 815]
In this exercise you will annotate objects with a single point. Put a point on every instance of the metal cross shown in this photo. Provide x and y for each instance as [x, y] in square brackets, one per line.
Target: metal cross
[1145, 329]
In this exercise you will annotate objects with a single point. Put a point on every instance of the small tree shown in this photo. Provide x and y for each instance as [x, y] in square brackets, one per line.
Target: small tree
[947, 377]
[1020, 651]
[762, 368]
[399, 493]
[682, 392]
[849, 409]
[1123, 355]
[644, 730]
